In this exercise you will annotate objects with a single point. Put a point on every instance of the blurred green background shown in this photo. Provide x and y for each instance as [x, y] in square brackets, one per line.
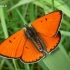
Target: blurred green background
[14, 14]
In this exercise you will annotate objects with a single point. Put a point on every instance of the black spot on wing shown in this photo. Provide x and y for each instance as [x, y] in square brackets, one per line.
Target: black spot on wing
[10, 41]
[41, 21]
[27, 47]
[46, 19]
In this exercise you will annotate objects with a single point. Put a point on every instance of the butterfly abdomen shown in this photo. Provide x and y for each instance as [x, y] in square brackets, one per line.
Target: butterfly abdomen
[34, 37]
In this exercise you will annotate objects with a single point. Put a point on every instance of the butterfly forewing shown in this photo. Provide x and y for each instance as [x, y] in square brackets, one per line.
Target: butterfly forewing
[48, 24]
[13, 46]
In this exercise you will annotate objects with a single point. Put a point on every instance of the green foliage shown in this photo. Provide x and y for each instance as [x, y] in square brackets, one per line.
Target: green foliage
[14, 14]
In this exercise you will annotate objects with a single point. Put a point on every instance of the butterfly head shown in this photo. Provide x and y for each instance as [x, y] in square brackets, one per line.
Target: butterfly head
[25, 25]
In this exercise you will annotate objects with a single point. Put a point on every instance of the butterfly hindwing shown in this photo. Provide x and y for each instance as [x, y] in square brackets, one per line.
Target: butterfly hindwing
[30, 53]
[13, 46]
[48, 24]
[51, 42]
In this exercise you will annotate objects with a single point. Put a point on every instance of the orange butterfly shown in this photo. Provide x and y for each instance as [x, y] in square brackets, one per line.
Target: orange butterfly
[31, 44]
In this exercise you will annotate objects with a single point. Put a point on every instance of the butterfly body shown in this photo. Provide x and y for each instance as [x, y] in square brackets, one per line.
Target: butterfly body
[32, 34]
[31, 44]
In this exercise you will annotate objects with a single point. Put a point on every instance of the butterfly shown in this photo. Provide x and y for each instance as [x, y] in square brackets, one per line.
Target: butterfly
[30, 44]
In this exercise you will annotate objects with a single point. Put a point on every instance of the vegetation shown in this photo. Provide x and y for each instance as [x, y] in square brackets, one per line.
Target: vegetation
[15, 13]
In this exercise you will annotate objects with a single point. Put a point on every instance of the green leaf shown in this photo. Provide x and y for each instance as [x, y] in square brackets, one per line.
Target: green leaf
[57, 61]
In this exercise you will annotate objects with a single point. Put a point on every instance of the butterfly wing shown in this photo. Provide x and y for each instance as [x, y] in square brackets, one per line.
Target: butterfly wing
[13, 46]
[30, 53]
[51, 42]
[18, 46]
[48, 24]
